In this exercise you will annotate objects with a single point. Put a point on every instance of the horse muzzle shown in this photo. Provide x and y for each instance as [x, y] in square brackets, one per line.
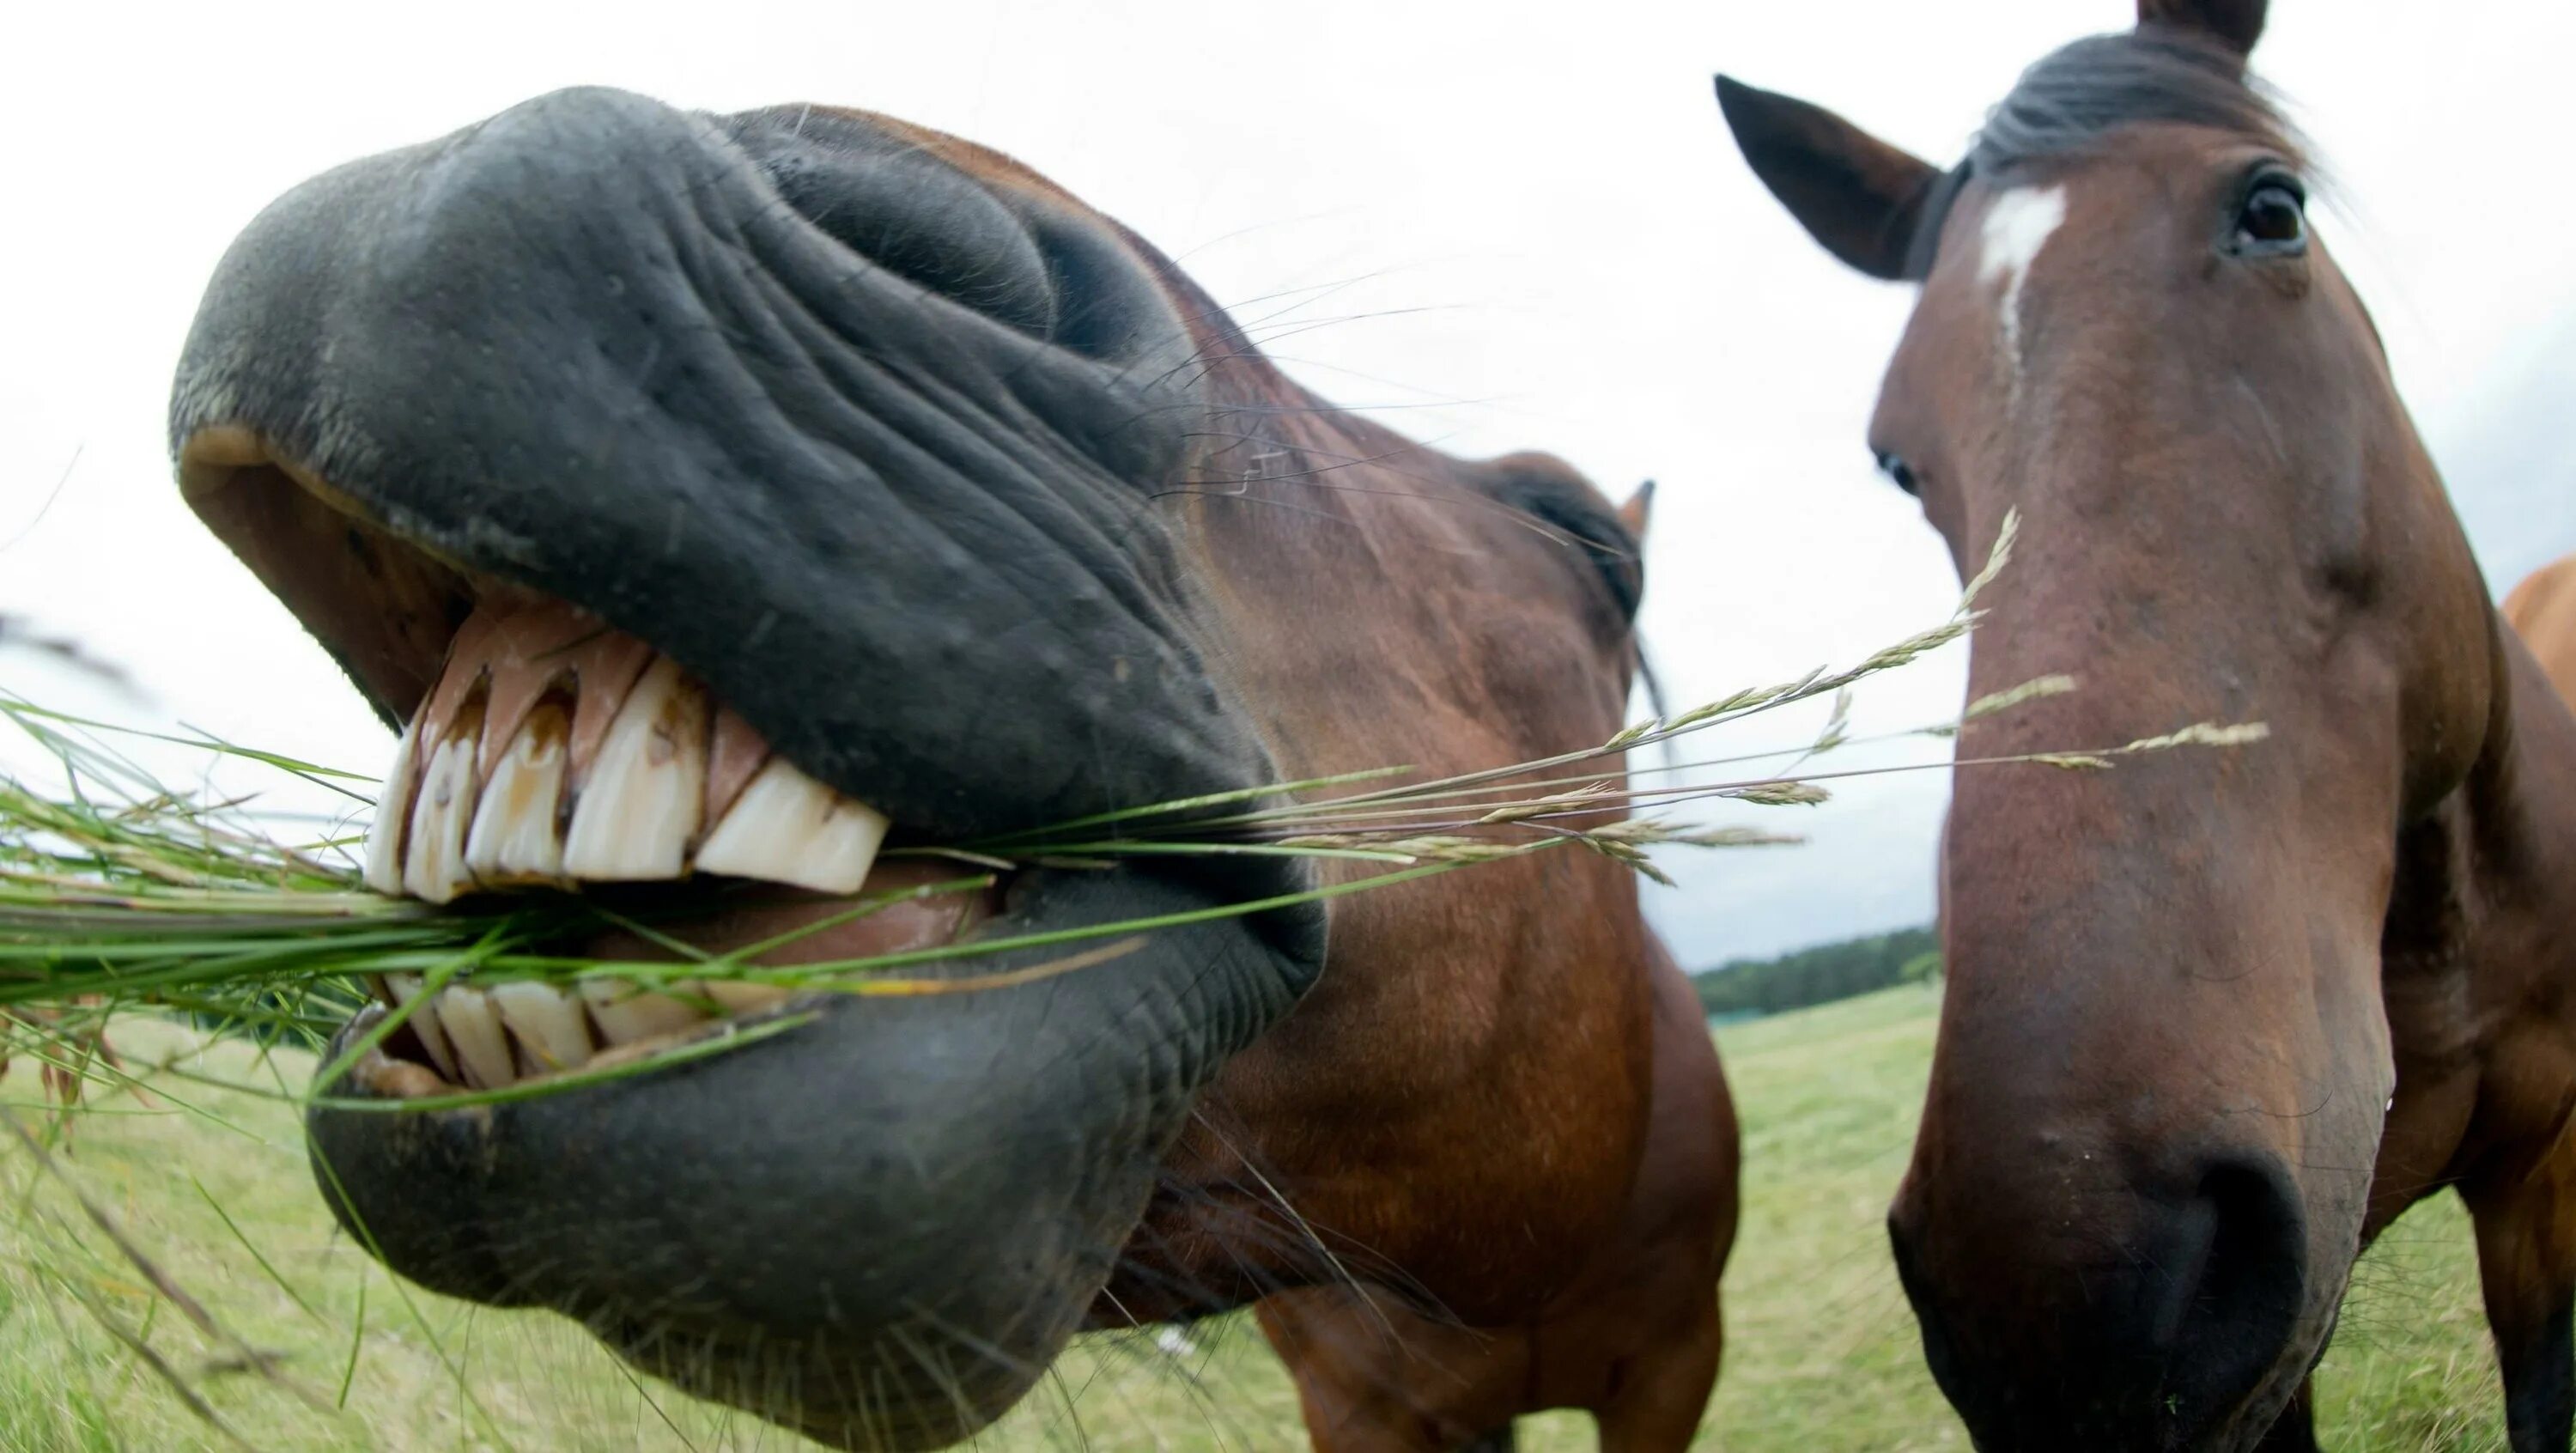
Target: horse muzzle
[2161, 1310]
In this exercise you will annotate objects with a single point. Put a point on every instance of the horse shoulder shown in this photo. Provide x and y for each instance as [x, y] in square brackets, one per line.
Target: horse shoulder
[2542, 610]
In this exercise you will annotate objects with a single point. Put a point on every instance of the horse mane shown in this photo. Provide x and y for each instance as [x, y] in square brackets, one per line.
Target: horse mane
[2077, 95]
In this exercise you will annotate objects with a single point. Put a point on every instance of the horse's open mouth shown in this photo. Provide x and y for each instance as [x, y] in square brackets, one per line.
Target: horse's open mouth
[550, 751]
[522, 1032]
[712, 558]
[557, 752]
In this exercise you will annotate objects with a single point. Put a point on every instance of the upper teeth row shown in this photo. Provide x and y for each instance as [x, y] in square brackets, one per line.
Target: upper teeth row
[638, 807]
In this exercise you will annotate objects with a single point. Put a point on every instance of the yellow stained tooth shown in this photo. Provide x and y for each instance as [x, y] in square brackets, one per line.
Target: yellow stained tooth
[643, 797]
[624, 1015]
[736, 997]
[471, 1026]
[548, 1026]
[788, 828]
[384, 870]
[434, 862]
[424, 1024]
[514, 838]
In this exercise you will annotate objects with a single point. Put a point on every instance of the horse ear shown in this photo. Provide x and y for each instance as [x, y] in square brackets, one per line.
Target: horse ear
[2235, 24]
[1859, 196]
[1639, 510]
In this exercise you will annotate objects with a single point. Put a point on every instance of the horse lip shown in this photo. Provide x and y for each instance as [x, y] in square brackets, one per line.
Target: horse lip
[586, 347]
[944, 1166]
[567, 1031]
[583, 347]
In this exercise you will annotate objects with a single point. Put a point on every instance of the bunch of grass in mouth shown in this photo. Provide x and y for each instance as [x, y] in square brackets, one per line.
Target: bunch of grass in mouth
[118, 892]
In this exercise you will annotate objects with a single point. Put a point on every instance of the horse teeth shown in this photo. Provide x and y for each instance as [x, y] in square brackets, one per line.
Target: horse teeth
[466, 1014]
[606, 668]
[549, 1028]
[643, 797]
[736, 752]
[625, 1015]
[424, 1023]
[556, 751]
[736, 997]
[488, 1039]
[515, 838]
[788, 828]
[384, 867]
[434, 862]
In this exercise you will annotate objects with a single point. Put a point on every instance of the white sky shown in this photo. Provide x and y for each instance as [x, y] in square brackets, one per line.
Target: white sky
[1532, 226]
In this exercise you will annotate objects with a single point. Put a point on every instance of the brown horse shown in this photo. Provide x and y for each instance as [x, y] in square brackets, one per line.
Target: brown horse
[712, 495]
[2212, 1022]
[2542, 610]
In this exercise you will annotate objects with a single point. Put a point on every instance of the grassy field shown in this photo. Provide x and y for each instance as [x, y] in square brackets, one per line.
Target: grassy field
[1821, 1353]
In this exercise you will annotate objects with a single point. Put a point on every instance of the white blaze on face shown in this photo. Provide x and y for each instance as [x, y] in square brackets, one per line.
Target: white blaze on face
[2018, 224]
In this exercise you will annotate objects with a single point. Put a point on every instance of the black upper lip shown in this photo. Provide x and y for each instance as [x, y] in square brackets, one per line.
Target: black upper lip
[912, 544]
[905, 526]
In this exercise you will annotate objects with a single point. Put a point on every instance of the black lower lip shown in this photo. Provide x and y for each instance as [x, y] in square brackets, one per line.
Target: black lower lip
[952, 1173]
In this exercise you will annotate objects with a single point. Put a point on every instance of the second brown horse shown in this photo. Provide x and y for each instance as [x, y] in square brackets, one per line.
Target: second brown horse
[2212, 1020]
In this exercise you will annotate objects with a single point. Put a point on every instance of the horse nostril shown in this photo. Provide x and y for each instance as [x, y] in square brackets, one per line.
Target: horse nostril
[2123, 1311]
[2234, 1263]
[904, 208]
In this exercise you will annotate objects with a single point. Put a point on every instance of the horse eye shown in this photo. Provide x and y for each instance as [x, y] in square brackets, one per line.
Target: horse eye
[2274, 221]
[1896, 469]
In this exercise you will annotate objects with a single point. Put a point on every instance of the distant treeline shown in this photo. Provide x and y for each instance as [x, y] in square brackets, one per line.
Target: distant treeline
[1821, 974]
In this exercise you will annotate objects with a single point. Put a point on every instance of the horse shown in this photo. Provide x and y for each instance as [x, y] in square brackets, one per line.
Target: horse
[2542, 611]
[2212, 1021]
[708, 498]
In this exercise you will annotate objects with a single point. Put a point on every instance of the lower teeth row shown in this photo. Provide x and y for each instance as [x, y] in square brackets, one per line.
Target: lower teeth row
[489, 1038]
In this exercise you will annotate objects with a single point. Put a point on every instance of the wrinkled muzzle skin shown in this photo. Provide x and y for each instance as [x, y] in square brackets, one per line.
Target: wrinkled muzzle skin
[860, 426]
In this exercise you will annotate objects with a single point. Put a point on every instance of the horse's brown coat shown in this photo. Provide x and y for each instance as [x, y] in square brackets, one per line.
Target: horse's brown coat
[1495, 1165]
[1568, 1262]
[2542, 610]
[1634, 1339]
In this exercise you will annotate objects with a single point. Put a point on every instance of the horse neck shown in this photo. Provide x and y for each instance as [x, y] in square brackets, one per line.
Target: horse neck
[2479, 923]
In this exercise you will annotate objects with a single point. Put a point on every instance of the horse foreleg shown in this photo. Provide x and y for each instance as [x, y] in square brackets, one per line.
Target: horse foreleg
[1663, 1392]
[1374, 1377]
[2526, 1229]
[2295, 1431]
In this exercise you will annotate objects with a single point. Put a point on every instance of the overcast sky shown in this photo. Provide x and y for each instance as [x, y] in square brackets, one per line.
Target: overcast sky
[1518, 225]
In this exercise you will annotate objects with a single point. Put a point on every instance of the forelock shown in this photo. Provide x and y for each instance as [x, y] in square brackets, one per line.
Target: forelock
[2077, 96]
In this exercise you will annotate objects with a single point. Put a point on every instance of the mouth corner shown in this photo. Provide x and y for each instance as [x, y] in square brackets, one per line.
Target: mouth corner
[386, 607]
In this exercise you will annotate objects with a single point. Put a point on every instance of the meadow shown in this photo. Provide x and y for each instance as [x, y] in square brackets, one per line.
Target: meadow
[314, 1348]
